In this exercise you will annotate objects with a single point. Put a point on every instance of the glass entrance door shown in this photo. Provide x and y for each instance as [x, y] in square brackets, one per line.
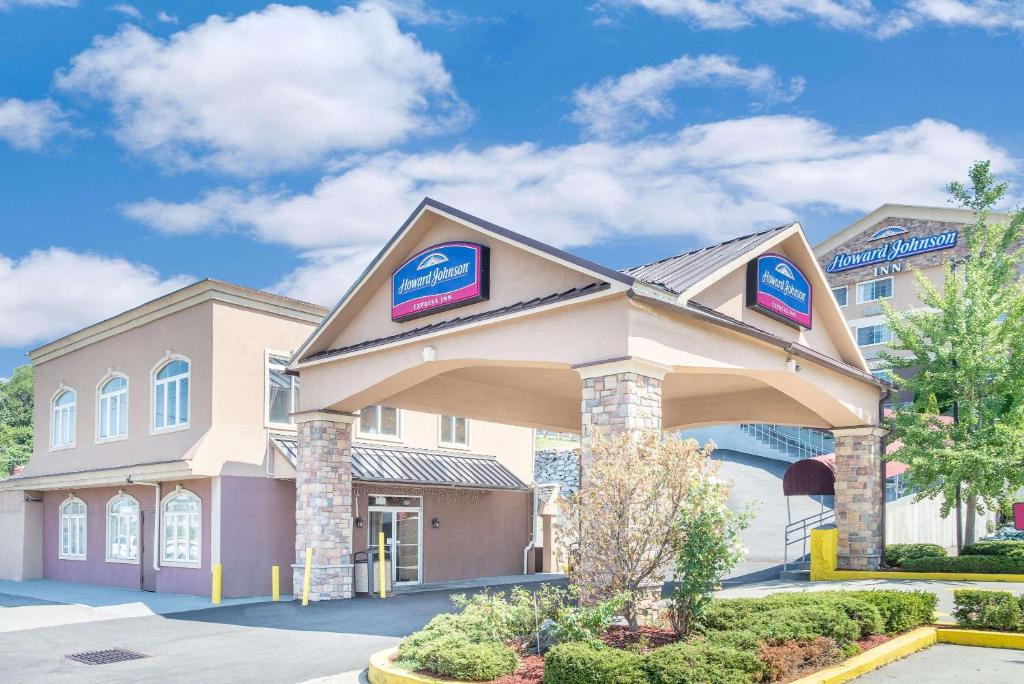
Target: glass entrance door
[401, 527]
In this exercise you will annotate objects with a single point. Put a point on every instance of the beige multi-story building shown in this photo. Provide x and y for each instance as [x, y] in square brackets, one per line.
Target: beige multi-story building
[872, 260]
[164, 445]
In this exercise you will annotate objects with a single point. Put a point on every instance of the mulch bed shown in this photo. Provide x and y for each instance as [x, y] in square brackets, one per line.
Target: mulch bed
[651, 637]
[530, 671]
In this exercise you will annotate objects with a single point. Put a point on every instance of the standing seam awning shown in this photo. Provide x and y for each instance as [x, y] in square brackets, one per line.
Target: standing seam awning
[402, 465]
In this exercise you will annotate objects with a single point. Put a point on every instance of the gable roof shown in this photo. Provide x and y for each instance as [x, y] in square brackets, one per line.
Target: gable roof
[677, 273]
[907, 211]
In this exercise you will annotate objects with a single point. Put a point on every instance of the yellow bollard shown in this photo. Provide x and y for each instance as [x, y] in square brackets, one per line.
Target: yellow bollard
[218, 578]
[380, 564]
[305, 580]
[275, 582]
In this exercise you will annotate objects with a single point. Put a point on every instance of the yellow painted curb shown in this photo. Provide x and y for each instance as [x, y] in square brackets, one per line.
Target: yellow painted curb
[979, 637]
[381, 671]
[897, 648]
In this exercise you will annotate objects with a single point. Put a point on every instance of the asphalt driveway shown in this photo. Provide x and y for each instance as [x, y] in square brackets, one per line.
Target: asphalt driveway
[261, 642]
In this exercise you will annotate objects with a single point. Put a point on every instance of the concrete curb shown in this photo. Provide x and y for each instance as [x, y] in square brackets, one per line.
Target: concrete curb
[381, 671]
[983, 638]
[892, 650]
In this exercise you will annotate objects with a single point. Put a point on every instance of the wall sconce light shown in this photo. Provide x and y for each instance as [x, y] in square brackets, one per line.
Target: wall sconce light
[358, 521]
[792, 366]
[429, 354]
[435, 523]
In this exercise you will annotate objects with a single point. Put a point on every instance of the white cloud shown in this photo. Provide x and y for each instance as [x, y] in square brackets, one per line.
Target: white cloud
[130, 11]
[165, 18]
[327, 274]
[619, 106]
[31, 124]
[11, 4]
[711, 181]
[990, 15]
[278, 88]
[733, 14]
[29, 313]
[419, 13]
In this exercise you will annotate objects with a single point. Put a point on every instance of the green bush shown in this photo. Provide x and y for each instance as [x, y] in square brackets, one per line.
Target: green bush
[455, 657]
[587, 662]
[698, 663]
[1014, 549]
[895, 554]
[796, 615]
[900, 610]
[990, 565]
[988, 610]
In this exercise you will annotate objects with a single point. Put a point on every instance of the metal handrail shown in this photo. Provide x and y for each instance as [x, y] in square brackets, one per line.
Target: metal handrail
[806, 443]
[803, 527]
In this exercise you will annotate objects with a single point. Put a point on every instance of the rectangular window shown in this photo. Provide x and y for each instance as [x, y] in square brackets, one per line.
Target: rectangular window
[454, 431]
[873, 290]
[379, 421]
[840, 293]
[282, 392]
[873, 334]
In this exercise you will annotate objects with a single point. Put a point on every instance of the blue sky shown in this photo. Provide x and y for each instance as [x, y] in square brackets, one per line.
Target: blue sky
[146, 145]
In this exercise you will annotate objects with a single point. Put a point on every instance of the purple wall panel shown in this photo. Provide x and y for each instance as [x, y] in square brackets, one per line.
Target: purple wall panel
[257, 532]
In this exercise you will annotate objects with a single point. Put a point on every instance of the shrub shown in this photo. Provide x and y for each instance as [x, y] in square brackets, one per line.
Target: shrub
[797, 615]
[697, 663]
[1013, 549]
[587, 662]
[979, 564]
[455, 657]
[784, 659]
[988, 610]
[900, 610]
[895, 554]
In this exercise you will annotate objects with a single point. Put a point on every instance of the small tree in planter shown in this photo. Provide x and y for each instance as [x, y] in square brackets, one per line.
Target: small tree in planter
[623, 526]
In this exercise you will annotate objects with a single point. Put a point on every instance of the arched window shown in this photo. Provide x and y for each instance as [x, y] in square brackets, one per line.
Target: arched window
[182, 526]
[62, 419]
[170, 394]
[112, 409]
[123, 529]
[72, 529]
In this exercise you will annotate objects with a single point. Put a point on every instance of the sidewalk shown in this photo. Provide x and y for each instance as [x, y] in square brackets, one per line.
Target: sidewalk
[46, 603]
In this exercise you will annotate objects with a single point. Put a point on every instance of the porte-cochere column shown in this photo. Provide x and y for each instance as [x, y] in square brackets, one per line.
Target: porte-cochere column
[859, 497]
[618, 398]
[323, 504]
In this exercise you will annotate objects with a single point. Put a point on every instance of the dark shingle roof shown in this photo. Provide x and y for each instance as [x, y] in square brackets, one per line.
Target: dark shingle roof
[463, 320]
[679, 272]
[374, 463]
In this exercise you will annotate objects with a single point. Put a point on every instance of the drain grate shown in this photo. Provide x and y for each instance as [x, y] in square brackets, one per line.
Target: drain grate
[110, 655]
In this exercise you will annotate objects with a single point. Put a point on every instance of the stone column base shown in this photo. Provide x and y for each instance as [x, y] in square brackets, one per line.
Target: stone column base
[326, 582]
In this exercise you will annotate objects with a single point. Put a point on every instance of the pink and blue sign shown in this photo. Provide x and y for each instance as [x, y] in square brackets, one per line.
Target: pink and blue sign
[777, 288]
[439, 278]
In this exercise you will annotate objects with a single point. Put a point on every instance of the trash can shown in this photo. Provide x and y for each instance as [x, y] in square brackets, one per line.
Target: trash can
[374, 571]
[361, 563]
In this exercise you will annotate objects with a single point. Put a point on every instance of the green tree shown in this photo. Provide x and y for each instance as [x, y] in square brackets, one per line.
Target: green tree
[964, 353]
[15, 420]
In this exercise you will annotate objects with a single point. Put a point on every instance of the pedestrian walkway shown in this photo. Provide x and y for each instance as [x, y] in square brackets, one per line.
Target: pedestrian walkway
[47, 603]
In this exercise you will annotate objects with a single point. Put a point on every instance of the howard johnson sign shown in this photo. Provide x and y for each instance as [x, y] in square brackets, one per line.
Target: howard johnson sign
[893, 250]
[777, 288]
[439, 278]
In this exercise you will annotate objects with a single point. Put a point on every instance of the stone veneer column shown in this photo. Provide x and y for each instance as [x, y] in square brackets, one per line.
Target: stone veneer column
[859, 497]
[323, 504]
[618, 397]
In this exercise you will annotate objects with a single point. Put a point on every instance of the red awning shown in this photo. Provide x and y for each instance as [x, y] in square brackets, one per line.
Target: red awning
[817, 476]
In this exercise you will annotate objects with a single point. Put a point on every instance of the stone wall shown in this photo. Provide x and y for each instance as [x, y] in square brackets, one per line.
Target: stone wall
[619, 402]
[859, 499]
[323, 508]
[560, 467]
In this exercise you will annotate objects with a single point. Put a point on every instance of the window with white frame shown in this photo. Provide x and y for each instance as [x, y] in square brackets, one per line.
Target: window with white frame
[882, 374]
[112, 409]
[182, 520]
[873, 290]
[841, 294]
[62, 419]
[123, 528]
[282, 391]
[873, 334]
[72, 529]
[454, 431]
[170, 395]
[380, 421]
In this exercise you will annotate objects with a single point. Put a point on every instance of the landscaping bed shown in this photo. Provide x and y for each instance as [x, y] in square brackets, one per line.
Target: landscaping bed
[777, 638]
[991, 557]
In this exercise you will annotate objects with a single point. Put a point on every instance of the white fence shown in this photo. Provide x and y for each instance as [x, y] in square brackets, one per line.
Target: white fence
[919, 522]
